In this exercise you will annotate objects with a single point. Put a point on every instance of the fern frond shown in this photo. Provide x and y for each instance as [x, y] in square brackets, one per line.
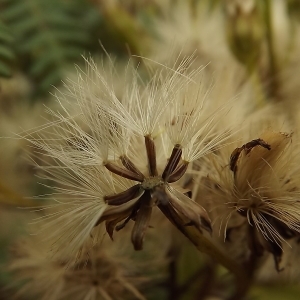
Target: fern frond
[7, 55]
[49, 35]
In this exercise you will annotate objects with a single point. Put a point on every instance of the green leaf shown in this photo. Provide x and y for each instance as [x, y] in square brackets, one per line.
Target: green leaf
[49, 35]
[6, 53]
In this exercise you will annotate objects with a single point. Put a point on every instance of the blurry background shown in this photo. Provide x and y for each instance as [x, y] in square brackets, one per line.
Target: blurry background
[254, 42]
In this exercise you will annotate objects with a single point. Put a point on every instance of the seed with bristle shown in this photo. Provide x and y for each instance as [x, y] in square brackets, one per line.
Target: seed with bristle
[137, 144]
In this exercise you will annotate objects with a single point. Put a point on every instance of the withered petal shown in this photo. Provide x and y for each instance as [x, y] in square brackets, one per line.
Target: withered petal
[178, 173]
[123, 172]
[172, 163]
[194, 212]
[142, 221]
[183, 190]
[129, 165]
[113, 212]
[110, 225]
[281, 228]
[123, 197]
[276, 250]
[274, 247]
[172, 216]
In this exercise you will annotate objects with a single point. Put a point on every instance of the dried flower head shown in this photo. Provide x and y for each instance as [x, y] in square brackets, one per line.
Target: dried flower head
[263, 190]
[107, 273]
[117, 158]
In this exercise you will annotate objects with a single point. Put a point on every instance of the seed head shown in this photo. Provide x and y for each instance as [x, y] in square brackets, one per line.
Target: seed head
[260, 185]
[106, 273]
[118, 157]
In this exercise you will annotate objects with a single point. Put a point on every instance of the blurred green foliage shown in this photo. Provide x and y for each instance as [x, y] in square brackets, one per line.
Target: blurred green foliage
[48, 35]
[7, 54]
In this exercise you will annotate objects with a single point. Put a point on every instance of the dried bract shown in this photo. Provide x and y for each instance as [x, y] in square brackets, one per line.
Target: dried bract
[262, 189]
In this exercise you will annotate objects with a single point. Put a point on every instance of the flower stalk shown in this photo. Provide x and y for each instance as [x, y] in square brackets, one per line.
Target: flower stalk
[204, 245]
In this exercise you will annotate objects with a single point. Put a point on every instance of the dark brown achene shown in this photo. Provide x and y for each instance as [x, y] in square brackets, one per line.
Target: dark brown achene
[153, 189]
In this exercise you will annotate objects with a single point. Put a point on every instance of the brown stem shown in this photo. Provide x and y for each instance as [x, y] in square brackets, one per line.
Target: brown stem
[251, 265]
[204, 245]
[173, 294]
[205, 287]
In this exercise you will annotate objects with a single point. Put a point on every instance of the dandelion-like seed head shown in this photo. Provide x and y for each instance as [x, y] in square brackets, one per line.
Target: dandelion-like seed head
[262, 189]
[118, 157]
[104, 274]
